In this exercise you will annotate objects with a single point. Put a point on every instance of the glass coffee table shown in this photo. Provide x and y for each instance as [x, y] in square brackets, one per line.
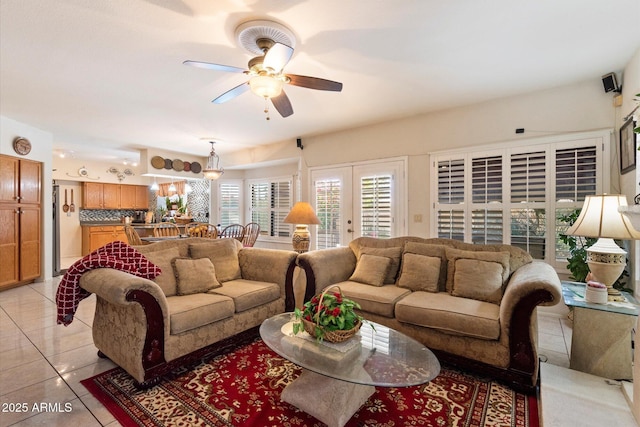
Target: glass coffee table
[337, 379]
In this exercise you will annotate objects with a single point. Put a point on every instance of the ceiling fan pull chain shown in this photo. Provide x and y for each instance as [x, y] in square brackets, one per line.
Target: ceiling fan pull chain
[266, 107]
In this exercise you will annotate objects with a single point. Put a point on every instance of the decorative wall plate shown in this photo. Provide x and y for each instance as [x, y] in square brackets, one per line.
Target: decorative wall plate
[178, 165]
[187, 166]
[157, 162]
[168, 164]
[21, 146]
[195, 167]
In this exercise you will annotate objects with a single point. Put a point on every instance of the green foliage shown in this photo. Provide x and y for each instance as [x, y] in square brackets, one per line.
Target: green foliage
[333, 313]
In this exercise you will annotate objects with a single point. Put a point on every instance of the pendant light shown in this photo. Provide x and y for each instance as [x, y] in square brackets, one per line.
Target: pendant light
[213, 170]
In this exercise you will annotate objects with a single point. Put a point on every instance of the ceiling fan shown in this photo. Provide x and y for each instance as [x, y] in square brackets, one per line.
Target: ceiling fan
[274, 44]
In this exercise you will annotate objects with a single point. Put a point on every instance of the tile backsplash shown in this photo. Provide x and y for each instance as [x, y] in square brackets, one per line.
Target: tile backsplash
[106, 215]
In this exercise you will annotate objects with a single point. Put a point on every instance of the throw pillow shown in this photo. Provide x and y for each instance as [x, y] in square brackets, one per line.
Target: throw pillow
[194, 275]
[432, 250]
[419, 272]
[479, 280]
[166, 280]
[223, 253]
[485, 276]
[394, 253]
[371, 270]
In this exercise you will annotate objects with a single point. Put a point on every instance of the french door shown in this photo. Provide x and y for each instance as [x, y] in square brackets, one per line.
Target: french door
[361, 200]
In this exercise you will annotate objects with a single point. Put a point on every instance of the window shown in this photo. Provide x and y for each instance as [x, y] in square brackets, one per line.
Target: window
[229, 203]
[375, 209]
[516, 195]
[270, 204]
[328, 193]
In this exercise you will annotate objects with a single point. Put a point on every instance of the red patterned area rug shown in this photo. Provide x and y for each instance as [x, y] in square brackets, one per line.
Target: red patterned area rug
[239, 384]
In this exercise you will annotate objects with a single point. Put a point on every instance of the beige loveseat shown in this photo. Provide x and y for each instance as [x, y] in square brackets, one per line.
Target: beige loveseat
[208, 290]
[473, 305]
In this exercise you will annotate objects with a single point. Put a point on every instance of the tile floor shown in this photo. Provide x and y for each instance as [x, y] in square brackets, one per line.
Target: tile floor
[43, 363]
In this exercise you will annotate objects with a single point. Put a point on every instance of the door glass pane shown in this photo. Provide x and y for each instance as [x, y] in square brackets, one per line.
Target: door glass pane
[328, 193]
[229, 204]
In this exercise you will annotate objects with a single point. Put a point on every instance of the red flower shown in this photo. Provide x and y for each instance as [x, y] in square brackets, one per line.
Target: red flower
[336, 312]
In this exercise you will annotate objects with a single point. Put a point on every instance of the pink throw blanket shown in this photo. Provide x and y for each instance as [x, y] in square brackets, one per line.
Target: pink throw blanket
[117, 255]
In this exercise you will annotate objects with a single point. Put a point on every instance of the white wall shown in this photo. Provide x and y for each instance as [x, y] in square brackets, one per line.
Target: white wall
[630, 182]
[42, 147]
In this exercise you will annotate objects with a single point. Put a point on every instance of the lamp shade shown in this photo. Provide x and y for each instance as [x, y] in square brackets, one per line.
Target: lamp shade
[266, 86]
[301, 213]
[600, 218]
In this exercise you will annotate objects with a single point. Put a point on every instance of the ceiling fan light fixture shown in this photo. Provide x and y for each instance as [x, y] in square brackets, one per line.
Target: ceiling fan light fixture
[266, 86]
[213, 170]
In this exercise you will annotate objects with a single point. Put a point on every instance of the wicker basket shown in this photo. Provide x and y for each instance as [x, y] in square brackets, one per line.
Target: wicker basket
[336, 336]
[183, 219]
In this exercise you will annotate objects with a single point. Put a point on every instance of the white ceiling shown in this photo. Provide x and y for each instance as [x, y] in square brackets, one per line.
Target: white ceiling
[108, 75]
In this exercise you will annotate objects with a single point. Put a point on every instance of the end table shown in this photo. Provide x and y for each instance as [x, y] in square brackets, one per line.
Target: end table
[601, 341]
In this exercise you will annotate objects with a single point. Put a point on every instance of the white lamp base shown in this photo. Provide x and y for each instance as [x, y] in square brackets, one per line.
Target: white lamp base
[606, 261]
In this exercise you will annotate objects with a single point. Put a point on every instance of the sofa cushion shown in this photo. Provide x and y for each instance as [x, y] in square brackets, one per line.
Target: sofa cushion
[194, 275]
[247, 294]
[188, 312]
[163, 259]
[431, 250]
[450, 314]
[393, 253]
[223, 253]
[381, 300]
[371, 269]
[419, 272]
[476, 279]
[453, 255]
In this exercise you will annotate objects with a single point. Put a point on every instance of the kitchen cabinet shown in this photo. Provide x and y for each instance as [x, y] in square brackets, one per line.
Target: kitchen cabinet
[142, 197]
[20, 221]
[96, 236]
[134, 197]
[101, 196]
[128, 196]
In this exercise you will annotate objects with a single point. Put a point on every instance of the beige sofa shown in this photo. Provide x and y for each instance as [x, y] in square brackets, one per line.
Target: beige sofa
[208, 290]
[473, 305]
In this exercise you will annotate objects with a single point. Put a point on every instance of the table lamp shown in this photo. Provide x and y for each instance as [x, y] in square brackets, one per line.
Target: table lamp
[301, 215]
[600, 219]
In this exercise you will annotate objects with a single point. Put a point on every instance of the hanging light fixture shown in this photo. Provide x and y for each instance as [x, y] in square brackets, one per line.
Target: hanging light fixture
[172, 187]
[213, 170]
[155, 186]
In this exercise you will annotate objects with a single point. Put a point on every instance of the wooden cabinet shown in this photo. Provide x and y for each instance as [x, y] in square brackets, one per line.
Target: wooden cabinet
[115, 196]
[128, 196]
[20, 221]
[101, 196]
[96, 236]
[142, 197]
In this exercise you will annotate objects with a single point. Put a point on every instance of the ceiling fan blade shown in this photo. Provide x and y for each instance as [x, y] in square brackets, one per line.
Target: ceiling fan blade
[230, 94]
[282, 104]
[314, 83]
[217, 67]
[277, 57]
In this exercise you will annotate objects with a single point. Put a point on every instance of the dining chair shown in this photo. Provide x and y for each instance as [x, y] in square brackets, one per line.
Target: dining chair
[251, 232]
[164, 229]
[235, 231]
[201, 229]
[132, 236]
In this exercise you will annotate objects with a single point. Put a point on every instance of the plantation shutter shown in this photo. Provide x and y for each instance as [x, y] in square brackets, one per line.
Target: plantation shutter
[376, 217]
[575, 173]
[270, 204]
[528, 177]
[280, 206]
[450, 219]
[229, 204]
[328, 193]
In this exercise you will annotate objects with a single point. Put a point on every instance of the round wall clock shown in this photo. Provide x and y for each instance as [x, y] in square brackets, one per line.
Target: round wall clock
[22, 146]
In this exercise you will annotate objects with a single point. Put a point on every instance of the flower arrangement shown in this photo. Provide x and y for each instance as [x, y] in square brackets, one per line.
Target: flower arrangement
[328, 316]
